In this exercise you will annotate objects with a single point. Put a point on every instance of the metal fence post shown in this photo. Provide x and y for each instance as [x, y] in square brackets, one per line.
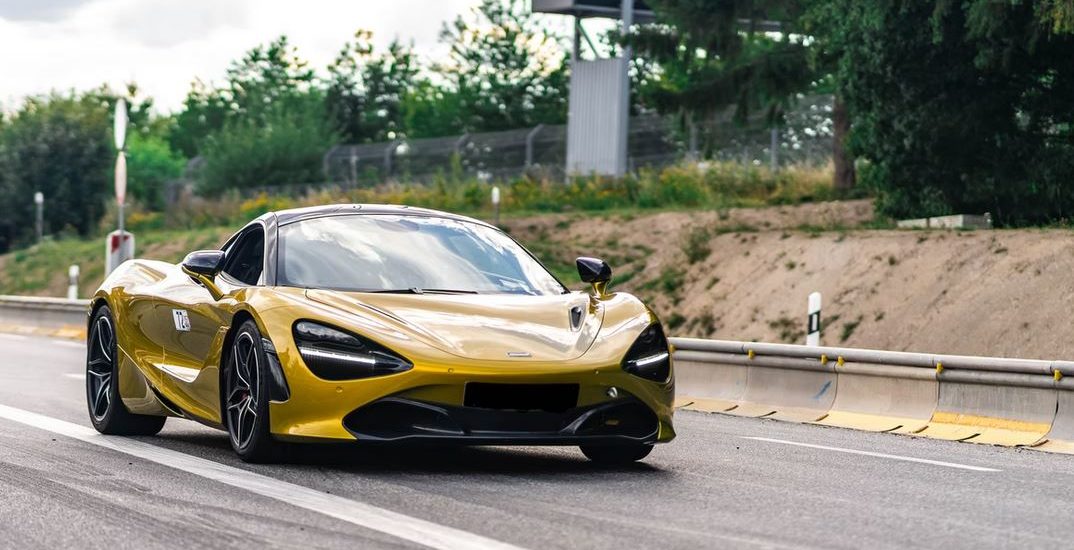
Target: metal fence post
[773, 150]
[389, 152]
[530, 138]
[459, 143]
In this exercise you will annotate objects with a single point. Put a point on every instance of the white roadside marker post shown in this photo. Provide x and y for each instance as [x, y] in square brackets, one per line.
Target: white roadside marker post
[39, 216]
[813, 320]
[496, 203]
[72, 282]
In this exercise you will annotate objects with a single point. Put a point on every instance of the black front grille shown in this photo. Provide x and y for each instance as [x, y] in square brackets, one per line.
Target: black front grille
[555, 398]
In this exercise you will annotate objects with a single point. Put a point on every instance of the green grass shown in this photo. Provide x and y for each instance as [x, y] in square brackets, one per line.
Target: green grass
[42, 269]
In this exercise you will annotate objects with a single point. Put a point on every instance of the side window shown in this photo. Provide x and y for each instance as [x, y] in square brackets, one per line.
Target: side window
[246, 257]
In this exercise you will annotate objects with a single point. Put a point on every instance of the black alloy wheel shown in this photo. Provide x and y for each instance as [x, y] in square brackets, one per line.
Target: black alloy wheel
[106, 409]
[246, 397]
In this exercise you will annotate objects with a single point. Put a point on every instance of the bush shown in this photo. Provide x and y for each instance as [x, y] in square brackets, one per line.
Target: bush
[151, 163]
[287, 148]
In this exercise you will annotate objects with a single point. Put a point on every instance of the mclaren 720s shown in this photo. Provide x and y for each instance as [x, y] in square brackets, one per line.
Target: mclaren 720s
[378, 324]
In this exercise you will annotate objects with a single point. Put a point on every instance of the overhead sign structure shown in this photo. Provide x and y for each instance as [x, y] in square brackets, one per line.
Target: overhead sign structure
[599, 106]
[594, 8]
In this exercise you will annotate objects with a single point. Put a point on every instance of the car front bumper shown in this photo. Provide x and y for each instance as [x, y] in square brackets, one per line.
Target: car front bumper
[428, 404]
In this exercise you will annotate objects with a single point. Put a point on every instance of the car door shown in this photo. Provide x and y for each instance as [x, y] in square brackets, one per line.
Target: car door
[200, 323]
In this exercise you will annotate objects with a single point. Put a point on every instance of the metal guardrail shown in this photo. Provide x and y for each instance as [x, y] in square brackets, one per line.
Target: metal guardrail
[1002, 401]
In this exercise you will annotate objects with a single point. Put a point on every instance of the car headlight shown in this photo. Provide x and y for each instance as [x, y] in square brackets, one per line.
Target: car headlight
[649, 357]
[333, 354]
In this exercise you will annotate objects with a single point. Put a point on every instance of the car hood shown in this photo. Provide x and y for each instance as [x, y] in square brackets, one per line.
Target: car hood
[487, 327]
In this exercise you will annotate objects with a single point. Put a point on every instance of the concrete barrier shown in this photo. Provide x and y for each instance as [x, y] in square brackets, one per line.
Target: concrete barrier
[1010, 414]
[883, 398]
[990, 400]
[793, 389]
[717, 382]
[785, 388]
[52, 316]
[1060, 438]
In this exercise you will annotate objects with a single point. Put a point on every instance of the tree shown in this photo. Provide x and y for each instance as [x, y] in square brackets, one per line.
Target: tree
[820, 22]
[58, 145]
[365, 92]
[266, 78]
[702, 59]
[505, 70]
[1057, 14]
[961, 107]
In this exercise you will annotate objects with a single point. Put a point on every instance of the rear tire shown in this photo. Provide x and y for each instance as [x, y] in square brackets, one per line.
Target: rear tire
[616, 455]
[246, 397]
[106, 409]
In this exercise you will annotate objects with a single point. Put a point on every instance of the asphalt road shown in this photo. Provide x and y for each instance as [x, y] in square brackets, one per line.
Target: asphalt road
[725, 482]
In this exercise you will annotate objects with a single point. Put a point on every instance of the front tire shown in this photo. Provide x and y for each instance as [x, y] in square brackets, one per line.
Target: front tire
[616, 455]
[246, 397]
[106, 409]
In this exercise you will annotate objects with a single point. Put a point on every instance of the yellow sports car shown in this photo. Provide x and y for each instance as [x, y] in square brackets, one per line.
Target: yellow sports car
[378, 324]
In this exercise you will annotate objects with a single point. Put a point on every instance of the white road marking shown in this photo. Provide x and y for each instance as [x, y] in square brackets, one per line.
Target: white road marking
[75, 375]
[877, 455]
[13, 336]
[405, 527]
[69, 343]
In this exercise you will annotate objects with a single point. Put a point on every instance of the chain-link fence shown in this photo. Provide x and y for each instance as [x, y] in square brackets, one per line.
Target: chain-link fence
[804, 138]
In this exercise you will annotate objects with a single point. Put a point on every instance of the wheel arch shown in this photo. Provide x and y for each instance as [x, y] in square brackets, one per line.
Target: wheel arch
[237, 320]
[95, 306]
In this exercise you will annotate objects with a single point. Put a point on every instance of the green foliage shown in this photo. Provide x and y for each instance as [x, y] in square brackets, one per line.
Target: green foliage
[505, 69]
[58, 145]
[697, 246]
[151, 163]
[366, 93]
[1058, 15]
[698, 60]
[286, 147]
[267, 80]
[960, 107]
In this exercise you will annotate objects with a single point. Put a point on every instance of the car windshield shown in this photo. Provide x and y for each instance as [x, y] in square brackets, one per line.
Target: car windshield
[407, 254]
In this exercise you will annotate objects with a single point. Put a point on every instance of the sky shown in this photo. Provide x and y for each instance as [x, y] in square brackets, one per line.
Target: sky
[164, 44]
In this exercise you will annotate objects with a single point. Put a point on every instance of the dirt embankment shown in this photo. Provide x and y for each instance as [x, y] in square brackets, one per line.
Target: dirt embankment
[745, 275]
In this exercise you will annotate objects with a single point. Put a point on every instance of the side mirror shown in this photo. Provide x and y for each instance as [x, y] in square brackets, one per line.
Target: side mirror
[206, 263]
[595, 272]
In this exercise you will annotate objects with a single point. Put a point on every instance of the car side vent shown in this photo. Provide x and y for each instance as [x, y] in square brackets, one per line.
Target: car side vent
[576, 317]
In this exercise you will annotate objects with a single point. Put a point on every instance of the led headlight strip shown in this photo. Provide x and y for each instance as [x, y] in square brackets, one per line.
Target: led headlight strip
[649, 357]
[335, 354]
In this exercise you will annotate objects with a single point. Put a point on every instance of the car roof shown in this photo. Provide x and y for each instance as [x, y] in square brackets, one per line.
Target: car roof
[285, 217]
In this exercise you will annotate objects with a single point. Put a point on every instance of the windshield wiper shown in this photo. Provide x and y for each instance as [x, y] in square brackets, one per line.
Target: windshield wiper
[415, 290]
